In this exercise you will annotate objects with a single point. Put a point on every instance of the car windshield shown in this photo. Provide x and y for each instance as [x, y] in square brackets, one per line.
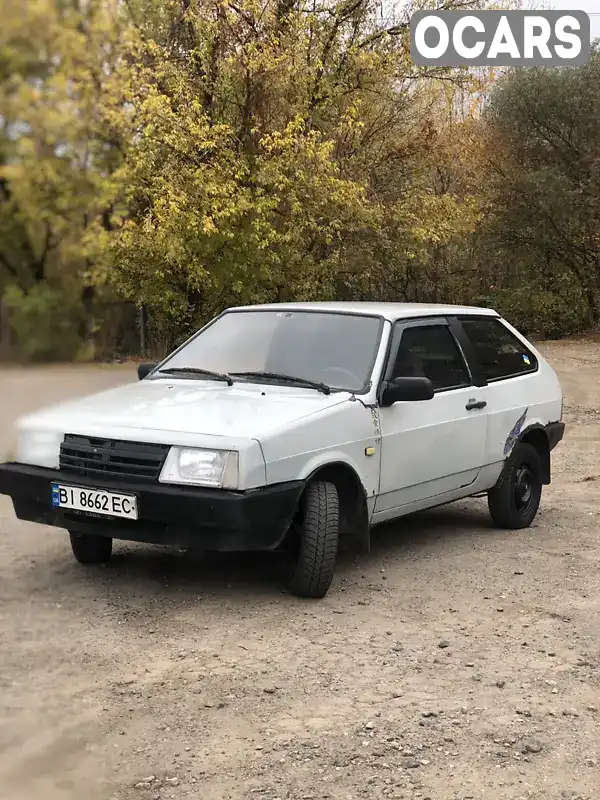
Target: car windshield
[333, 349]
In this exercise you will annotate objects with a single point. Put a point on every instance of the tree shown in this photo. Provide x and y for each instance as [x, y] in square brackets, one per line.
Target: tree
[57, 153]
[274, 150]
[194, 154]
[545, 129]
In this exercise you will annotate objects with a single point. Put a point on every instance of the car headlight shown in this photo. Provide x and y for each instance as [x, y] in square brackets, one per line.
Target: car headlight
[39, 448]
[191, 465]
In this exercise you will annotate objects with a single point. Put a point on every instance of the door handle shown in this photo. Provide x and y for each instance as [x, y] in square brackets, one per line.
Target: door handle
[472, 404]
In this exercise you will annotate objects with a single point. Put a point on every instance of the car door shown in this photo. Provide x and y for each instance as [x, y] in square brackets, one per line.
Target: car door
[432, 447]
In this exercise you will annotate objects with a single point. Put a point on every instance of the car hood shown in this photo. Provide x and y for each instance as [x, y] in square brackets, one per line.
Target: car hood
[184, 407]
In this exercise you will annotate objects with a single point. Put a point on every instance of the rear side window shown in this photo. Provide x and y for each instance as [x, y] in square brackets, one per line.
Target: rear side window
[500, 353]
[431, 352]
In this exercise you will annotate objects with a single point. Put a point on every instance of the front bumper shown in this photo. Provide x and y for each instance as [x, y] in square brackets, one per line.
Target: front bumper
[208, 519]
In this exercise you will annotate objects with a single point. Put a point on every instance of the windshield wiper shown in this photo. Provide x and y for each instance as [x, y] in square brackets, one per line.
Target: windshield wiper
[221, 376]
[279, 376]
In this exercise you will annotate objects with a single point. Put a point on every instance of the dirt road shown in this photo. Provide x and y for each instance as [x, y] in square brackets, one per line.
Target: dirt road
[454, 661]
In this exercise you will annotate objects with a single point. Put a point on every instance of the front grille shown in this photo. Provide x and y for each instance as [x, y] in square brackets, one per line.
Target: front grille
[93, 457]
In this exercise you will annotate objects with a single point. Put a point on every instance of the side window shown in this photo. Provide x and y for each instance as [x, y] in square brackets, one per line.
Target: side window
[430, 351]
[500, 353]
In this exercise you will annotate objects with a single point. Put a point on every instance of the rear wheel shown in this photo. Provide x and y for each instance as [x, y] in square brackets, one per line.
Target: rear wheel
[515, 502]
[90, 548]
[316, 533]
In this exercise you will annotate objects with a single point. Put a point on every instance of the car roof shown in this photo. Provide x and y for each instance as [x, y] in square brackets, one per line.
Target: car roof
[390, 311]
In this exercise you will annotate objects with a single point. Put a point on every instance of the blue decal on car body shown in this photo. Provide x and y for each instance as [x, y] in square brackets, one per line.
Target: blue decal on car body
[514, 434]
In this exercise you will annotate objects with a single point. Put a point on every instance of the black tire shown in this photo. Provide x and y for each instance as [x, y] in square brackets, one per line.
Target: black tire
[90, 548]
[318, 532]
[514, 503]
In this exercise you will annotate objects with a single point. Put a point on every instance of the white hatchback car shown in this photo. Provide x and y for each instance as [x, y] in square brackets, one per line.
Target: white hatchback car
[294, 425]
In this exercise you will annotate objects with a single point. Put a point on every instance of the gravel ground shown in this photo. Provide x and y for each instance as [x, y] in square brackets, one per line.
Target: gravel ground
[454, 661]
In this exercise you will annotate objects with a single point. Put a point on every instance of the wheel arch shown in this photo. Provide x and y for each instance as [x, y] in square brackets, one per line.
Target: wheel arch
[536, 436]
[354, 513]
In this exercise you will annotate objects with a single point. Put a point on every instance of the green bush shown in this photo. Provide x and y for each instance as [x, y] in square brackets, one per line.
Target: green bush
[44, 323]
[539, 312]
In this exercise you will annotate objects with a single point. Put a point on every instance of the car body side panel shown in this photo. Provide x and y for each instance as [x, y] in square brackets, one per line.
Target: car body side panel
[516, 404]
[348, 433]
[486, 478]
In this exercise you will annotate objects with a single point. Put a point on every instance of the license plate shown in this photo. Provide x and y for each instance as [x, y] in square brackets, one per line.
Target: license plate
[94, 501]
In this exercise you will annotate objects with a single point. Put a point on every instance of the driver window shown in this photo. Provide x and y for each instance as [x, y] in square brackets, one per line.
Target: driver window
[430, 351]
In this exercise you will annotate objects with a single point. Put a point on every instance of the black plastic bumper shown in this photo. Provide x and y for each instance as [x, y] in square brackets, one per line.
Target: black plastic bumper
[555, 432]
[208, 519]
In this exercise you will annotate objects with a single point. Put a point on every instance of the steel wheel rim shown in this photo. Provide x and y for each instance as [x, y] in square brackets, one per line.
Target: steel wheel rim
[523, 489]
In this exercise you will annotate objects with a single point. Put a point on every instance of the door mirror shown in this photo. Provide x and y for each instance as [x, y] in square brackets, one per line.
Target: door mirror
[145, 369]
[406, 389]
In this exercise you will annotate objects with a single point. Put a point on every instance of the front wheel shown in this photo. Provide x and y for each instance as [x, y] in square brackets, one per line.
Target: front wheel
[317, 532]
[90, 548]
[515, 502]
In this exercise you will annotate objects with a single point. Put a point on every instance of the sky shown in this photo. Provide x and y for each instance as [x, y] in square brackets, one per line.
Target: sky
[591, 6]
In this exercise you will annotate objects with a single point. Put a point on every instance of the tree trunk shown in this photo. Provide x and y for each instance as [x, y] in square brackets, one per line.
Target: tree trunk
[86, 328]
[5, 337]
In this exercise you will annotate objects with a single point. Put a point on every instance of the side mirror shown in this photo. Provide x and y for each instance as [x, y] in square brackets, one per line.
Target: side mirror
[406, 389]
[145, 369]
